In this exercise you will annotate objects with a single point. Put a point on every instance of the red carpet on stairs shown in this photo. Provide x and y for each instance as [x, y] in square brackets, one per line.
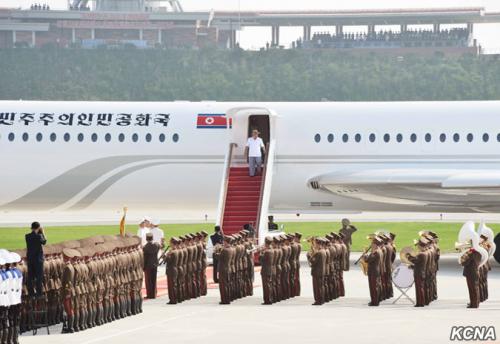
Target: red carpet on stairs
[242, 200]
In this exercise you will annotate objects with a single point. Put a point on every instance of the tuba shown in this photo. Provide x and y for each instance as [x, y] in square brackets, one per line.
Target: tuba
[488, 232]
[469, 239]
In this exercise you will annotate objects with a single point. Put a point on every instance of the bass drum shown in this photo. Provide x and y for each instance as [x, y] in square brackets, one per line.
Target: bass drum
[496, 254]
[402, 276]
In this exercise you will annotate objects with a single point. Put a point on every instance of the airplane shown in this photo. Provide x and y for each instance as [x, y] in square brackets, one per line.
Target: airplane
[85, 160]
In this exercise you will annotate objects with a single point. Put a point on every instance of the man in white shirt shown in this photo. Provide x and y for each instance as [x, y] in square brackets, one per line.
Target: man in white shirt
[253, 151]
[144, 228]
[158, 235]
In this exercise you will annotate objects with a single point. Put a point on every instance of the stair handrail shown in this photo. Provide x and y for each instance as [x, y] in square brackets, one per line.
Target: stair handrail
[225, 183]
[265, 178]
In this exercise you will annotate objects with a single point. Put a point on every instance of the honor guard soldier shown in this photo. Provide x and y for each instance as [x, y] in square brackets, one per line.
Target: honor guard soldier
[172, 262]
[217, 240]
[266, 272]
[69, 292]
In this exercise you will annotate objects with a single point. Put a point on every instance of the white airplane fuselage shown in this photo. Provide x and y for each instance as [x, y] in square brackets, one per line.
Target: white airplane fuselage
[84, 158]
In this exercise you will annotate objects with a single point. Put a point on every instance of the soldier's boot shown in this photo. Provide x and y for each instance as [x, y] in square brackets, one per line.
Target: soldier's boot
[10, 335]
[111, 311]
[5, 333]
[105, 318]
[98, 315]
[70, 323]
[15, 339]
[92, 317]
[139, 302]
[123, 307]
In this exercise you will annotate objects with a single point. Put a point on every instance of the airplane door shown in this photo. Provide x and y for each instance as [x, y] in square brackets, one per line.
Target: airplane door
[261, 123]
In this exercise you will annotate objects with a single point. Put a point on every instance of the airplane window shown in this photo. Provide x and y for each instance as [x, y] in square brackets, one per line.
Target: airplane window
[486, 137]
[53, 137]
[121, 137]
[175, 137]
[66, 137]
[442, 137]
[413, 137]
[456, 137]
[428, 137]
[39, 137]
[12, 136]
[498, 137]
[372, 137]
[80, 137]
[135, 137]
[107, 137]
[317, 138]
[162, 137]
[148, 137]
[387, 138]
[94, 137]
[399, 137]
[345, 138]
[330, 138]
[357, 137]
[25, 137]
[470, 137]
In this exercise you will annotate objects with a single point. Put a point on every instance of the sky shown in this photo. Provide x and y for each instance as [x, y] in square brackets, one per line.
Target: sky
[486, 34]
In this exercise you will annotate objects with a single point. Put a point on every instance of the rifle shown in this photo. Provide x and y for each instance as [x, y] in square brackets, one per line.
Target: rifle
[161, 260]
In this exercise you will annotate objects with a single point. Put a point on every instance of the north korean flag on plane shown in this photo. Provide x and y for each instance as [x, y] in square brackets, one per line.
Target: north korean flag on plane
[213, 121]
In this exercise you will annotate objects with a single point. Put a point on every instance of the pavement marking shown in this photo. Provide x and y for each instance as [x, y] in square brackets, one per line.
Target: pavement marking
[144, 327]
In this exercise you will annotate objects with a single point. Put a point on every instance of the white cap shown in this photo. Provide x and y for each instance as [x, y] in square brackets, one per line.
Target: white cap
[146, 218]
[155, 222]
[15, 257]
[2, 261]
[5, 255]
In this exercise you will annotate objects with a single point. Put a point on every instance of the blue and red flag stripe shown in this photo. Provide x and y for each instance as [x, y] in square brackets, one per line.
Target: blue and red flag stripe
[213, 121]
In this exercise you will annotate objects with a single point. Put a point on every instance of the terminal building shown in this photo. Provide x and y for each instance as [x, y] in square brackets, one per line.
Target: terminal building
[164, 23]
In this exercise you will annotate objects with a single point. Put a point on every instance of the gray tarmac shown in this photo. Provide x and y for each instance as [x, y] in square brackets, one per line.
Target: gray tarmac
[347, 320]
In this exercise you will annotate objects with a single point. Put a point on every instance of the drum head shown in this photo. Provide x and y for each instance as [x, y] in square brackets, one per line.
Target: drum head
[402, 276]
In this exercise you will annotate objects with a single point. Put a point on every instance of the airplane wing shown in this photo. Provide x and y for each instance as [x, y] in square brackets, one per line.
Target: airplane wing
[444, 178]
[444, 187]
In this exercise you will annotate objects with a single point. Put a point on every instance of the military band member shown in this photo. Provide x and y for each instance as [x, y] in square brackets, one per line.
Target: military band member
[485, 268]
[420, 265]
[317, 261]
[374, 263]
[471, 261]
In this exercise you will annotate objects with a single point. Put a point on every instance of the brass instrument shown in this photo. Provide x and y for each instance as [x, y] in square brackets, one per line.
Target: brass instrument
[468, 238]
[312, 250]
[365, 251]
[403, 255]
[362, 260]
[463, 246]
